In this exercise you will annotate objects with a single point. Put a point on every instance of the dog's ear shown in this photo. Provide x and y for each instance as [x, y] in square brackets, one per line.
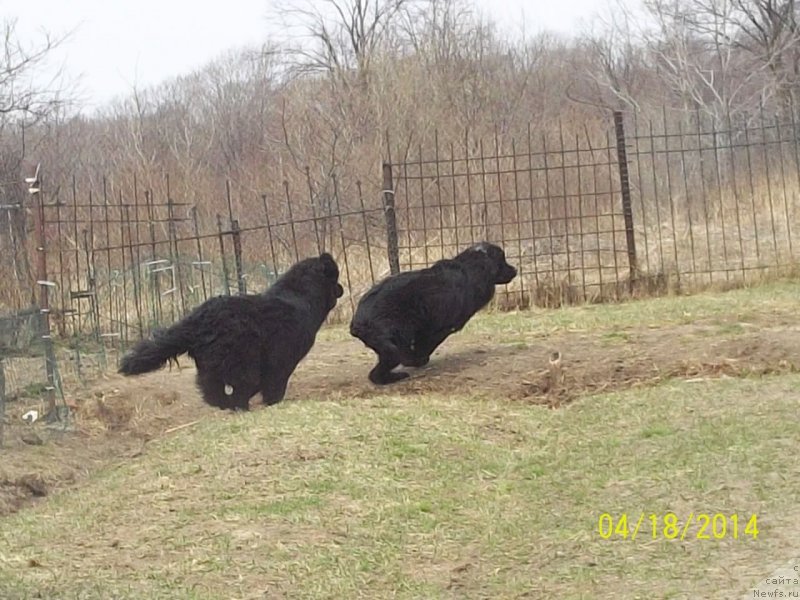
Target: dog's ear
[329, 267]
[482, 247]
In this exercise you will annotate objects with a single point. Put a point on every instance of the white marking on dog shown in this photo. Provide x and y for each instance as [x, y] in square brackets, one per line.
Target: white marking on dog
[228, 390]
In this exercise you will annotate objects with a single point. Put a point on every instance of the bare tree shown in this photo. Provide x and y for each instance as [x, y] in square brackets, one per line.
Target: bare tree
[614, 66]
[27, 97]
[24, 88]
[768, 29]
[339, 37]
[336, 97]
[727, 56]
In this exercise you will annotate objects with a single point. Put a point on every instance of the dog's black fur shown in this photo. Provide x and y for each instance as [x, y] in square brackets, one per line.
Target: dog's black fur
[250, 343]
[405, 317]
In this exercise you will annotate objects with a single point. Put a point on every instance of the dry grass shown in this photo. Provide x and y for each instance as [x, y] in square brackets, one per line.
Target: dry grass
[439, 490]
[441, 497]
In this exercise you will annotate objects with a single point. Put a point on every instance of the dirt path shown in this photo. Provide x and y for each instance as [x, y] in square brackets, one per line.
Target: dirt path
[116, 416]
[561, 368]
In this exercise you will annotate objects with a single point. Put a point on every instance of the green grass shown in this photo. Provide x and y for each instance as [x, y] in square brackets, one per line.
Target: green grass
[443, 496]
[428, 498]
[723, 309]
[740, 304]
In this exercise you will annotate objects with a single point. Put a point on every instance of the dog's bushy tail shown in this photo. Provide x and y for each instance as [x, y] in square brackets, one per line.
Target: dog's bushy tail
[152, 354]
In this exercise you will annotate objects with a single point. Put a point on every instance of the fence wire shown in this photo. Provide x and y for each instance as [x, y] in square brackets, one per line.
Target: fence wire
[586, 215]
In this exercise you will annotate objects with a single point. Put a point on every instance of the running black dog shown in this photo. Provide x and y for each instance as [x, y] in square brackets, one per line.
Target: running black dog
[405, 317]
[243, 345]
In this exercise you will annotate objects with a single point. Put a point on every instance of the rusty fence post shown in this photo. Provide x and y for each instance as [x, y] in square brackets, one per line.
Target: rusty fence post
[392, 246]
[236, 234]
[2, 400]
[34, 188]
[625, 189]
[174, 252]
[226, 284]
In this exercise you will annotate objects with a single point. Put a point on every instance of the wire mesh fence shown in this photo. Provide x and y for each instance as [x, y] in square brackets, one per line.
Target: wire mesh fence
[553, 202]
[715, 202]
[643, 207]
[130, 262]
[587, 214]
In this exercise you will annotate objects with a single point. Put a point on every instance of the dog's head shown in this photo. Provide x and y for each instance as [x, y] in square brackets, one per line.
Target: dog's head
[502, 271]
[330, 271]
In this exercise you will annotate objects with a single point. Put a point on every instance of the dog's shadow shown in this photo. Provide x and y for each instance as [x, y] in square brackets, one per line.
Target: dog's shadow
[456, 362]
[445, 369]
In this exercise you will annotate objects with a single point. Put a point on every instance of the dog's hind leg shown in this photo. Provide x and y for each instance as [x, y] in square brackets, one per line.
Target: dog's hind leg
[218, 393]
[212, 389]
[239, 399]
[424, 345]
[274, 380]
[388, 359]
[390, 346]
[273, 389]
[243, 384]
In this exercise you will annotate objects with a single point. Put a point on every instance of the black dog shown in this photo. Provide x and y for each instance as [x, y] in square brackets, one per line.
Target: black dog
[405, 317]
[243, 345]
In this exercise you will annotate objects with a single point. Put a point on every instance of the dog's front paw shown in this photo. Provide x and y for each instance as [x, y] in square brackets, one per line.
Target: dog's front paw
[381, 378]
[417, 362]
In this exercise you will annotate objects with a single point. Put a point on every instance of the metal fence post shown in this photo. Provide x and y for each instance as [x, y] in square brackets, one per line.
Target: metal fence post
[34, 188]
[221, 235]
[237, 256]
[172, 232]
[392, 246]
[2, 400]
[625, 188]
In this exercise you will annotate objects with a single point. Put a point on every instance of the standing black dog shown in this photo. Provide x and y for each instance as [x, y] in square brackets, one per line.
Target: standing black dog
[243, 345]
[405, 317]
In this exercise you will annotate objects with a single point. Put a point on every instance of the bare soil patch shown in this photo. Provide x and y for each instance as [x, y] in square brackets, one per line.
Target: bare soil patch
[111, 421]
[115, 418]
[557, 369]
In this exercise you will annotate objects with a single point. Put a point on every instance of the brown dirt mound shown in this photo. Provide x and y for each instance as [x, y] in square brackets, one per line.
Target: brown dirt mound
[112, 422]
[587, 364]
[116, 417]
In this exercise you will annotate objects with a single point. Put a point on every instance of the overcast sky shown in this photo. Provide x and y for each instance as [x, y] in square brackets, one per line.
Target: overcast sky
[118, 43]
